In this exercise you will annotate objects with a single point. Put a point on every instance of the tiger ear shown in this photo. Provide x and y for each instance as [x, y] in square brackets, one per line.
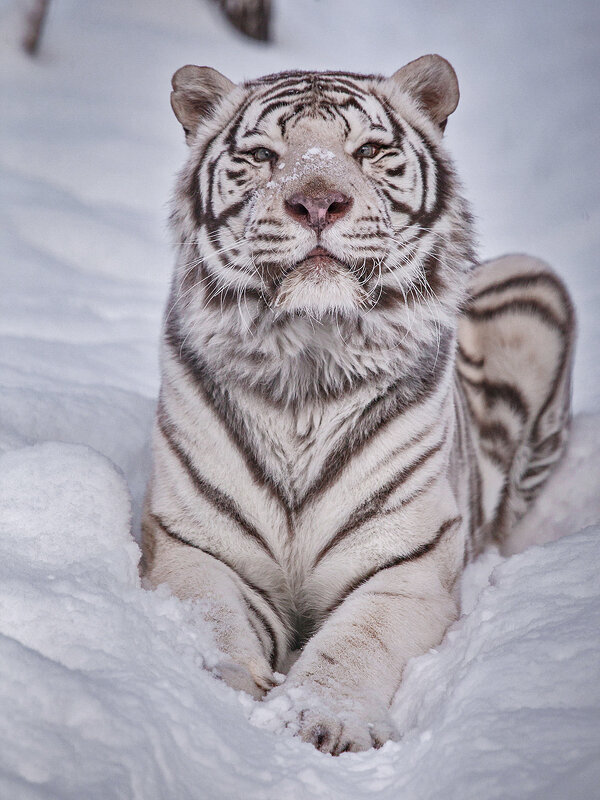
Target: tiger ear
[196, 91]
[431, 80]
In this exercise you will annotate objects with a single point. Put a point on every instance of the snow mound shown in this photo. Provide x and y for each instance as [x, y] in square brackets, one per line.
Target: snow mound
[512, 696]
[67, 510]
[107, 688]
[102, 680]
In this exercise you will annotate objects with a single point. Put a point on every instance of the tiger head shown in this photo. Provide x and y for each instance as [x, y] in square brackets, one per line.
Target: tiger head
[321, 195]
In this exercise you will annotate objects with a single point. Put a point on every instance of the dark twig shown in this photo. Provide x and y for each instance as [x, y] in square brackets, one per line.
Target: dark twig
[251, 17]
[34, 26]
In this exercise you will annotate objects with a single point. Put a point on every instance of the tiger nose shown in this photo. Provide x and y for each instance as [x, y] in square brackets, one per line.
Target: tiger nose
[317, 211]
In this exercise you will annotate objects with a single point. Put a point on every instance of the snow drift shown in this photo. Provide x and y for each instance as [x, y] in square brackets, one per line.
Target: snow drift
[105, 688]
[105, 691]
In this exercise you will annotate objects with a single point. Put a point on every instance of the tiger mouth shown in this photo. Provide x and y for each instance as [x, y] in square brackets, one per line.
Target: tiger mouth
[320, 258]
[318, 264]
[318, 284]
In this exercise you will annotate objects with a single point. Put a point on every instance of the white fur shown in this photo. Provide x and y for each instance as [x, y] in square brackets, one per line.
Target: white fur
[282, 531]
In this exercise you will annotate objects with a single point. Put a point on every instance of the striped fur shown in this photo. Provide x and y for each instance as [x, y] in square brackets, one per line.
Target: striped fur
[339, 434]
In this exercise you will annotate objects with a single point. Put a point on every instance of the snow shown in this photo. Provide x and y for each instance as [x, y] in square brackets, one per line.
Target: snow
[104, 694]
[318, 152]
[105, 688]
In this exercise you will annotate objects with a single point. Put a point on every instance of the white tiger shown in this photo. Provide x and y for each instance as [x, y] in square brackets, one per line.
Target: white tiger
[350, 407]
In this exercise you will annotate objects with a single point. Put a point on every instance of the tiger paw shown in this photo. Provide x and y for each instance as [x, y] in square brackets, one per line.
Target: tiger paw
[337, 733]
[331, 725]
[240, 677]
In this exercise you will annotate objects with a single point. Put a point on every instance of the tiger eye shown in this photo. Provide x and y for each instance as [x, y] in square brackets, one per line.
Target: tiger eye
[263, 154]
[368, 150]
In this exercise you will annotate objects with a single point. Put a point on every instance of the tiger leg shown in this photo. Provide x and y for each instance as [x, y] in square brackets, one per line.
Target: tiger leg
[247, 628]
[340, 689]
[514, 363]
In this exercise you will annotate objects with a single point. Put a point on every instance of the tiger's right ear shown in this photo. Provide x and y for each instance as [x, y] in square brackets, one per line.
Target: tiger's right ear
[196, 91]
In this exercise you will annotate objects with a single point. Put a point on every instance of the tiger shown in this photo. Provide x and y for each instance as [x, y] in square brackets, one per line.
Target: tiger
[352, 406]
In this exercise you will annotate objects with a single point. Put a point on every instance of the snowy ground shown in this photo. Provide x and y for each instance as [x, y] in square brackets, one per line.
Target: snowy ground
[102, 691]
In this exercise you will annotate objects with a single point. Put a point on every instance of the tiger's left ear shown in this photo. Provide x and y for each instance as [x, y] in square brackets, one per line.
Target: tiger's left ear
[196, 92]
[431, 80]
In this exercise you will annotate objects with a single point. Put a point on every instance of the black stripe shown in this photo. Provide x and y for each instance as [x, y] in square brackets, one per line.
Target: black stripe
[270, 107]
[444, 179]
[410, 498]
[521, 281]
[444, 183]
[497, 443]
[396, 172]
[470, 360]
[536, 472]
[372, 505]
[328, 76]
[398, 207]
[433, 268]
[529, 306]
[233, 423]
[380, 412]
[394, 562]
[255, 628]
[424, 172]
[329, 659]
[274, 654]
[495, 431]
[499, 392]
[494, 440]
[565, 364]
[469, 456]
[166, 529]
[389, 297]
[225, 504]
[232, 174]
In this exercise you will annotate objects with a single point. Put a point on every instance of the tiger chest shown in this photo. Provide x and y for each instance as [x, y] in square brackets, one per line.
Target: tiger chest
[297, 447]
[326, 472]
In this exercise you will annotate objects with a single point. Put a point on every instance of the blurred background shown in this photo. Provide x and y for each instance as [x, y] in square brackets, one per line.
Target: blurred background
[89, 148]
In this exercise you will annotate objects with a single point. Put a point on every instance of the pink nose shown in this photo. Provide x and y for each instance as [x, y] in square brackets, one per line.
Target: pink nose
[317, 211]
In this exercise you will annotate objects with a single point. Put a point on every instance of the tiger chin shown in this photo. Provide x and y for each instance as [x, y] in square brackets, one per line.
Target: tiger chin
[351, 406]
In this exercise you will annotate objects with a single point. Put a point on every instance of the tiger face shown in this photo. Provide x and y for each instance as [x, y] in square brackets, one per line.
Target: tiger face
[322, 239]
[318, 193]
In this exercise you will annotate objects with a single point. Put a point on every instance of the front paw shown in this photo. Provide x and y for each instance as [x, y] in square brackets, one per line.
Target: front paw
[331, 725]
[254, 682]
[341, 732]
